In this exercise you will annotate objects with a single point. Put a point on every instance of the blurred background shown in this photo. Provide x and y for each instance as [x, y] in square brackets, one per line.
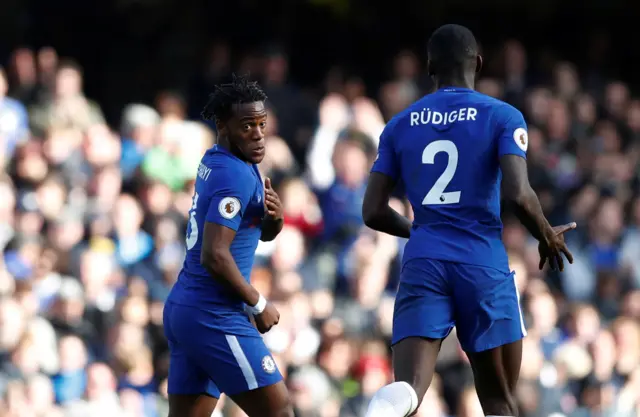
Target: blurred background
[100, 140]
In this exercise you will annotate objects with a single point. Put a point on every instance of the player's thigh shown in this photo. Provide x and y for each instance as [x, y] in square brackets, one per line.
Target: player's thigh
[187, 379]
[487, 307]
[269, 401]
[424, 304]
[191, 405]
[414, 361]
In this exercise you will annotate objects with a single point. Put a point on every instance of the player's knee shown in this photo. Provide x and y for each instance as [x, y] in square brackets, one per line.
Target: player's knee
[499, 403]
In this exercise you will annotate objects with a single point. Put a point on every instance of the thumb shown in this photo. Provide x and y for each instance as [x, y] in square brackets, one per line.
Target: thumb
[564, 228]
[267, 183]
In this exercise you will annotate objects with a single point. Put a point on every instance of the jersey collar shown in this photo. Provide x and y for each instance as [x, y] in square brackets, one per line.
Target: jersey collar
[452, 89]
[222, 149]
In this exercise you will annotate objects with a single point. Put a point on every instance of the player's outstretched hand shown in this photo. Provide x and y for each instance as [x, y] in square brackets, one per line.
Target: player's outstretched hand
[555, 246]
[267, 319]
[272, 201]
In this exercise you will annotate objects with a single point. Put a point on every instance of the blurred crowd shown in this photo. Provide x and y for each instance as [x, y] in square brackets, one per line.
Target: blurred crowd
[92, 221]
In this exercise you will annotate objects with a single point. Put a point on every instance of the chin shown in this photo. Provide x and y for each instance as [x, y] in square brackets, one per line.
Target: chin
[256, 159]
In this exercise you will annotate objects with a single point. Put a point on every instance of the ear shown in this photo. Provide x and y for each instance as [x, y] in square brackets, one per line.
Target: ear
[478, 64]
[221, 127]
[430, 68]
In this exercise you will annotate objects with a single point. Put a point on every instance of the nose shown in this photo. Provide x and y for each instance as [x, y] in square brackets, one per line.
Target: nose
[257, 133]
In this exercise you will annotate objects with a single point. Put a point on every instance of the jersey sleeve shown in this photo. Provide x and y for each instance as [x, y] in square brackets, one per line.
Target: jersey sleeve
[513, 138]
[230, 195]
[386, 162]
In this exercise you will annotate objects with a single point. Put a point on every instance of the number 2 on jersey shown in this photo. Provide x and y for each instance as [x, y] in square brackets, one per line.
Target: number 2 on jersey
[192, 228]
[436, 195]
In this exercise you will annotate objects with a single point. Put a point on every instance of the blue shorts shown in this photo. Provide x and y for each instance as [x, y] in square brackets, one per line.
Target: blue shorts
[481, 302]
[207, 361]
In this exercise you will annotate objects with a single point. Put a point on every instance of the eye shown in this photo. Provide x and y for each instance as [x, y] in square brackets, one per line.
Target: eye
[246, 126]
[263, 124]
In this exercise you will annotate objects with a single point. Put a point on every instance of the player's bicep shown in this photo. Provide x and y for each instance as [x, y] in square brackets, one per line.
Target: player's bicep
[216, 237]
[515, 179]
[376, 197]
[513, 138]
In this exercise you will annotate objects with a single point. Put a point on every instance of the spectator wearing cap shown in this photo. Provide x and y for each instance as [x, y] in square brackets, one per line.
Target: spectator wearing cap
[138, 130]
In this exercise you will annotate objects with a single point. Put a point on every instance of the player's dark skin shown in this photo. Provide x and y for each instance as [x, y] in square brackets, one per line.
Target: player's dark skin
[496, 371]
[243, 135]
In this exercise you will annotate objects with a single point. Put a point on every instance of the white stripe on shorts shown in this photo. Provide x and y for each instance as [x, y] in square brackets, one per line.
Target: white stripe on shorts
[243, 362]
[522, 326]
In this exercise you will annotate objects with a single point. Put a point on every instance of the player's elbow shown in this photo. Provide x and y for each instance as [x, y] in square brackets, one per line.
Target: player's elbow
[214, 259]
[370, 215]
[519, 195]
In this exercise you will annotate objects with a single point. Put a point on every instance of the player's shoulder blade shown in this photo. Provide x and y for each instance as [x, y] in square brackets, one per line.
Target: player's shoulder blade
[496, 105]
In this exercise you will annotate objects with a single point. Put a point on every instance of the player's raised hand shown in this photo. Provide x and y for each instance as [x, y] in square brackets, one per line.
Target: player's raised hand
[272, 201]
[267, 319]
[555, 247]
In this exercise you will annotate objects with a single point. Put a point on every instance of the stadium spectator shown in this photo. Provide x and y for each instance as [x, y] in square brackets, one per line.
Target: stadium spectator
[92, 221]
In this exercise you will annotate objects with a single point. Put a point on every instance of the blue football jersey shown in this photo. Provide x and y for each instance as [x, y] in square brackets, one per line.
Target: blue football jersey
[445, 149]
[229, 192]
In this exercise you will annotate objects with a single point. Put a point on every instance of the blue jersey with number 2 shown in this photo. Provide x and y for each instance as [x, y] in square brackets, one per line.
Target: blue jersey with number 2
[229, 192]
[445, 149]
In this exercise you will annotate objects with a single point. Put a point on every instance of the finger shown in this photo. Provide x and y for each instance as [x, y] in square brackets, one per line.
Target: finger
[271, 198]
[559, 261]
[565, 228]
[271, 205]
[551, 260]
[567, 253]
[272, 213]
[543, 260]
[267, 183]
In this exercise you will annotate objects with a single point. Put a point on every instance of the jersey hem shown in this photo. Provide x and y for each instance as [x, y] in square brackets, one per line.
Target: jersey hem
[423, 335]
[492, 345]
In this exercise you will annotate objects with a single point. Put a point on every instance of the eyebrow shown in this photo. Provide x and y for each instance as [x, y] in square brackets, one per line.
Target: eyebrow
[259, 116]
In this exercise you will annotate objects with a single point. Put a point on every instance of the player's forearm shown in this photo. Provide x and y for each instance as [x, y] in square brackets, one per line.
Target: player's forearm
[387, 220]
[222, 267]
[271, 228]
[529, 211]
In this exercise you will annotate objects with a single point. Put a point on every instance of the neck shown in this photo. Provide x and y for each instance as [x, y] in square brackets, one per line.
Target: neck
[461, 80]
[226, 143]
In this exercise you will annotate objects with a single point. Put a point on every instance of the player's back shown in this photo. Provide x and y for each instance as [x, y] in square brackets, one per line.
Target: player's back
[229, 192]
[447, 147]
